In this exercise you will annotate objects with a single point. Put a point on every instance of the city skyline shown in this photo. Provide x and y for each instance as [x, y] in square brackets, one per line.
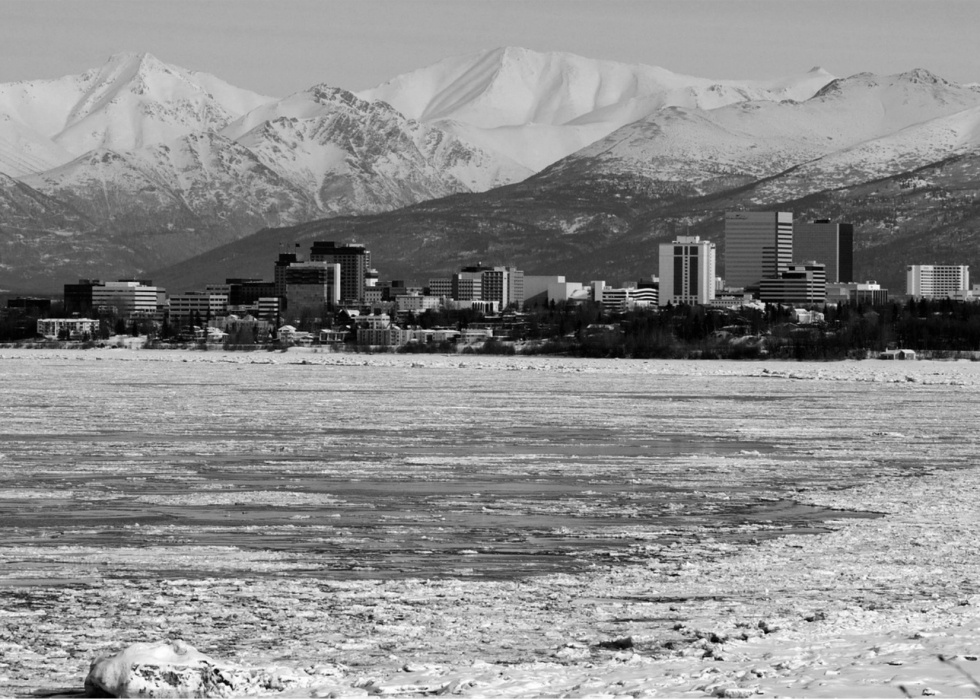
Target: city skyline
[281, 48]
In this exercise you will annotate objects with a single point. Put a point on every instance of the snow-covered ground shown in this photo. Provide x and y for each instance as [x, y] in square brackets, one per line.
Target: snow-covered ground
[494, 526]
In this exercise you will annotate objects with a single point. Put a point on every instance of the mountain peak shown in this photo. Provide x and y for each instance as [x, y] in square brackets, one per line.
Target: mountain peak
[921, 75]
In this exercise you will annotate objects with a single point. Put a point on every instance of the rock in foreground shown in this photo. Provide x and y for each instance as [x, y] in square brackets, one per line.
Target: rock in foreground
[175, 669]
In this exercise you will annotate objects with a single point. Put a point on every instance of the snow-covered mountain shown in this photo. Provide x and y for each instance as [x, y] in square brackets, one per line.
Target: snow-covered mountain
[539, 107]
[131, 101]
[747, 141]
[355, 156]
[161, 163]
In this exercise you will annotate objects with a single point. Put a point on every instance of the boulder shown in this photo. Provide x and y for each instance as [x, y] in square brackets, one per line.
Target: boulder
[175, 669]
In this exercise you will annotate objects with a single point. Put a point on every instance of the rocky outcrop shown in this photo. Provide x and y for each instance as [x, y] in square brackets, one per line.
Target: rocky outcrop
[175, 669]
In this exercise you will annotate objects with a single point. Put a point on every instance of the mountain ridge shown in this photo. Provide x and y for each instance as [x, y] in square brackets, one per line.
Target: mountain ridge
[534, 158]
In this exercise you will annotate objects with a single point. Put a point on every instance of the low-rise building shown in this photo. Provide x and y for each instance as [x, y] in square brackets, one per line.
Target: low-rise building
[204, 303]
[801, 283]
[75, 328]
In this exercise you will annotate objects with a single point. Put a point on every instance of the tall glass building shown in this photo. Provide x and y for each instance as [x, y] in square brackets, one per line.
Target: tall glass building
[758, 245]
[829, 243]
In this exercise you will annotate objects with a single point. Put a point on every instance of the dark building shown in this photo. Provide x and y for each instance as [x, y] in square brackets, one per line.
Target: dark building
[282, 264]
[354, 261]
[78, 297]
[30, 305]
[247, 292]
[829, 243]
[758, 245]
[802, 284]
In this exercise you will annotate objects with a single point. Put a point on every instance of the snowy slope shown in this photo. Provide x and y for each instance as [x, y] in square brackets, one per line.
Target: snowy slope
[198, 177]
[759, 139]
[131, 101]
[540, 107]
[24, 151]
[893, 154]
[355, 156]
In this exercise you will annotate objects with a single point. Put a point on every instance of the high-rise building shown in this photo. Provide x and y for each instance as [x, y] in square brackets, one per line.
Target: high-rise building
[312, 285]
[799, 284]
[758, 245]
[936, 281]
[829, 243]
[687, 271]
[354, 261]
[282, 264]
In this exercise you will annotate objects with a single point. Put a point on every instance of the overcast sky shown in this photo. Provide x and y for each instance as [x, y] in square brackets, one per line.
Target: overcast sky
[277, 47]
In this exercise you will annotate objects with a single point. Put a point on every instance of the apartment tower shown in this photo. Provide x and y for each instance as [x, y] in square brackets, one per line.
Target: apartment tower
[687, 271]
[354, 261]
[936, 281]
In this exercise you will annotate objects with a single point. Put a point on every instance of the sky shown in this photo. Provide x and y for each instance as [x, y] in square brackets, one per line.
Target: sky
[278, 47]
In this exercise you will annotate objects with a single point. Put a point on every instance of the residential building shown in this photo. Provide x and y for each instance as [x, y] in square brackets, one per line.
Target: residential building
[936, 281]
[758, 245]
[802, 284]
[355, 262]
[829, 243]
[377, 330]
[77, 328]
[687, 271]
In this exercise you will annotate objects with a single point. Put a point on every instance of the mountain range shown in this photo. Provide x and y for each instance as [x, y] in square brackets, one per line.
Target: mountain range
[553, 162]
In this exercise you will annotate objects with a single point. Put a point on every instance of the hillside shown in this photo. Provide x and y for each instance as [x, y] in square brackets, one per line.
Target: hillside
[610, 228]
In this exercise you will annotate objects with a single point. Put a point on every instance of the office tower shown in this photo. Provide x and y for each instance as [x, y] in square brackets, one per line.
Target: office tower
[505, 285]
[128, 296]
[78, 297]
[282, 264]
[936, 281]
[758, 244]
[798, 284]
[687, 271]
[354, 261]
[312, 285]
[826, 242]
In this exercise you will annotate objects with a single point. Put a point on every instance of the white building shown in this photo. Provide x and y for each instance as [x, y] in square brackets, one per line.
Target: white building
[936, 281]
[687, 271]
[127, 297]
[562, 291]
[417, 303]
[51, 328]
